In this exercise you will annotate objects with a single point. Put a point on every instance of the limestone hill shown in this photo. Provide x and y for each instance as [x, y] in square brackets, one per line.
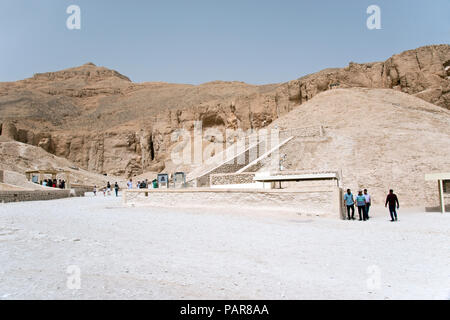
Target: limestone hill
[379, 138]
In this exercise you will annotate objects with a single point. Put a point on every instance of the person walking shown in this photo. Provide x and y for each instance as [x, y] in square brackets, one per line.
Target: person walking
[108, 188]
[350, 204]
[95, 191]
[361, 203]
[368, 202]
[392, 200]
[116, 189]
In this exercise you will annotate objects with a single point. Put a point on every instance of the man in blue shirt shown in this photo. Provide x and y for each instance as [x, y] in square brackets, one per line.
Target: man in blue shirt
[350, 204]
[361, 203]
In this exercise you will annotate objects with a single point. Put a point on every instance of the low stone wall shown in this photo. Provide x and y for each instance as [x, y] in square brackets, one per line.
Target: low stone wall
[326, 202]
[37, 195]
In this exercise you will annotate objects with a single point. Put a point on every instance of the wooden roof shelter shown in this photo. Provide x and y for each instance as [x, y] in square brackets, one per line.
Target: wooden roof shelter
[53, 172]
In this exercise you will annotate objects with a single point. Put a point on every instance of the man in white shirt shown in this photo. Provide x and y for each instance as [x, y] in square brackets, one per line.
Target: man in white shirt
[130, 184]
[368, 202]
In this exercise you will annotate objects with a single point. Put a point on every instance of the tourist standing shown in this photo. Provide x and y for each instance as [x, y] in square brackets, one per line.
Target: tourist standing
[108, 188]
[368, 202]
[350, 204]
[130, 184]
[361, 203]
[95, 191]
[116, 189]
[392, 200]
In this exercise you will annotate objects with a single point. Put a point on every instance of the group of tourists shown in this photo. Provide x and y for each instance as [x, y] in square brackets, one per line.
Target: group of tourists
[107, 190]
[363, 202]
[61, 184]
[144, 184]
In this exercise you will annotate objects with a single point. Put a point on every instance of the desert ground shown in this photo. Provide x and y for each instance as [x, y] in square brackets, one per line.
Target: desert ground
[173, 253]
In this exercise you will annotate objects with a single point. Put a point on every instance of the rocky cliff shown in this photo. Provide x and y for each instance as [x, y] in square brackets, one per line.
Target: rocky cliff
[103, 122]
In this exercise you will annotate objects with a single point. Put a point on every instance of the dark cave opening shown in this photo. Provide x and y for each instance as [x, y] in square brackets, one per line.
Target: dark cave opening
[152, 149]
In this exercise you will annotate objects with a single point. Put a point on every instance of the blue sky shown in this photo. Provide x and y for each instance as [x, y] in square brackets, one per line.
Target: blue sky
[256, 41]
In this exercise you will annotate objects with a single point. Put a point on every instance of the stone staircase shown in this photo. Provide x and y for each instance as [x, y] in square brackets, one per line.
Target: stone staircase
[246, 154]
[229, 160]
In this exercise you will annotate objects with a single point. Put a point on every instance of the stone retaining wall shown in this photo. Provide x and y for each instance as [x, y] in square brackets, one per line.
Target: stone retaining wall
[326, 202]
[240, 160]
[16, 196]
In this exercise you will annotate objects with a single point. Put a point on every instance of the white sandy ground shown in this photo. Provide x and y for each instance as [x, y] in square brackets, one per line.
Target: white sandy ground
[162, 253]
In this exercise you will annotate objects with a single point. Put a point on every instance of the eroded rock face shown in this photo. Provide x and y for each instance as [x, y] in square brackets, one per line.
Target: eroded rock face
[103, 122]
[8, 130]
[420, 72]
[103, 152]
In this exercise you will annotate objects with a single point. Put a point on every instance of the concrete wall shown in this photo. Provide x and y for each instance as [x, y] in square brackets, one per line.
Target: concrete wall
[323, 202]
[432, 201]
[37, 195]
